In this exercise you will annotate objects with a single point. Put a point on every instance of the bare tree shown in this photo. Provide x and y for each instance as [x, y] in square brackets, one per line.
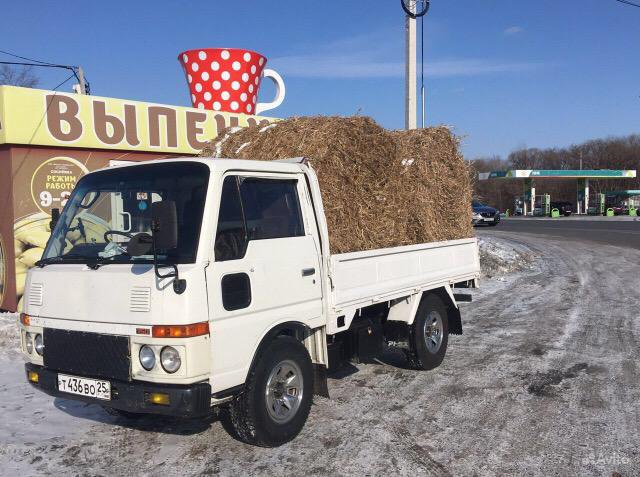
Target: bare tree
[18, 76]
[608, 153]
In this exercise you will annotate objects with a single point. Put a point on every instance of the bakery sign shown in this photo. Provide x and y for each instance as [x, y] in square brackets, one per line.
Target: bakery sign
[49, 118]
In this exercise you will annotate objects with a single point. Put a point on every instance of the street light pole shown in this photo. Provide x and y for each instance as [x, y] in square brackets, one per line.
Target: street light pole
[413, 9]
[410, 70]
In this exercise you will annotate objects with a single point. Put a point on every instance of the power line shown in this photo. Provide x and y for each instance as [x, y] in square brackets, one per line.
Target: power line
[74, 69]
[43, 65]
[8, 53]
[627, 2]
[68, 78]
[40, 63]
[73, 72]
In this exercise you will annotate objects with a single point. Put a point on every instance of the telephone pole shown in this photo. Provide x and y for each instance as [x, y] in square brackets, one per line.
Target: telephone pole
[410, 114]
[82, 85]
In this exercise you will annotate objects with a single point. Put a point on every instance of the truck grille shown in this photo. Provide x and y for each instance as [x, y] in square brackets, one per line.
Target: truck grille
[87, 354]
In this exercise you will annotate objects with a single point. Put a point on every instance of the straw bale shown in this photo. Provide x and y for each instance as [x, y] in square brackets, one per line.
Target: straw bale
[435, 189]
[379, 188]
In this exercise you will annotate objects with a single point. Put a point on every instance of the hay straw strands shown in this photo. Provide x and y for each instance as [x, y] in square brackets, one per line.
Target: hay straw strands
[380, 188]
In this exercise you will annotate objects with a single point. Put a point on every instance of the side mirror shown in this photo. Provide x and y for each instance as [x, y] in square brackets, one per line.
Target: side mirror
[55, 216]
[140, 244]
[165, 224]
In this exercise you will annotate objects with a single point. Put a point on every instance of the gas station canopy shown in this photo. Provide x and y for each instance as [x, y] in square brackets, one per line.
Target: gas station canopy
[558, 174]
[581, 175]
[624, 193]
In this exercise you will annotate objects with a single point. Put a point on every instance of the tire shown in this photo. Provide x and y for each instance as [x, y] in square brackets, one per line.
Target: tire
[427, 352]
[262, 415]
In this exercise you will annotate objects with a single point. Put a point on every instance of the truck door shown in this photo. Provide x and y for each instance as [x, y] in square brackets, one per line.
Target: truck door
[265, 269]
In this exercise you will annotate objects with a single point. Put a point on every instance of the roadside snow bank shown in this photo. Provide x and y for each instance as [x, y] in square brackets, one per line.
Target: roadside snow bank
[500, 257]
[9, 337]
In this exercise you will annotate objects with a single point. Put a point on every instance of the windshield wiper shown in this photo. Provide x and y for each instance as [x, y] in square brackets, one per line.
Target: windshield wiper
[43, 262]
[96, 262]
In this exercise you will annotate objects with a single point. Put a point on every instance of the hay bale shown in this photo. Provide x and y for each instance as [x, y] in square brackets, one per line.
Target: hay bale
[373, 196]
[435, 189]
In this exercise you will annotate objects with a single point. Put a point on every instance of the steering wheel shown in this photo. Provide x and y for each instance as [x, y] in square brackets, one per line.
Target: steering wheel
[116, 232]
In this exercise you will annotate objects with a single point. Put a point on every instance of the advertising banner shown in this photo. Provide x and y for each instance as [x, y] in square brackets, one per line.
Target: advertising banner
[49, 118]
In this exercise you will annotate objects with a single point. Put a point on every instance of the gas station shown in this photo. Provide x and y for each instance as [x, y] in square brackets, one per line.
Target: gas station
[595, 206]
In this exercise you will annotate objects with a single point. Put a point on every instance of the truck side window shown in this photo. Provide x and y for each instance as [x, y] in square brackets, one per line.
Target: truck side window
[231, 236]
[271, 208]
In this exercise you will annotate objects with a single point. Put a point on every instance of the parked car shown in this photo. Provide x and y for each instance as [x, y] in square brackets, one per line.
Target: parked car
[483, 214]
[620, 209]
[565, 208]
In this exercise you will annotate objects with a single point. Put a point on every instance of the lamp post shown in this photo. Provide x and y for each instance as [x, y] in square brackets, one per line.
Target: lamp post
[413, 9]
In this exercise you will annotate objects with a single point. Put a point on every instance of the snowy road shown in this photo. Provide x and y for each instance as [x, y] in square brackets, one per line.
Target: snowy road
[545, 380]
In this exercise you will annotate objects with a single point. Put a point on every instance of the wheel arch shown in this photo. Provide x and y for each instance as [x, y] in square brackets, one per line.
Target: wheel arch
[294, 329]
[300, 332]
[453, 312]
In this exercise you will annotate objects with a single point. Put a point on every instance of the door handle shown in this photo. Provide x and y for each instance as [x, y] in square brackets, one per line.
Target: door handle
[307, 272]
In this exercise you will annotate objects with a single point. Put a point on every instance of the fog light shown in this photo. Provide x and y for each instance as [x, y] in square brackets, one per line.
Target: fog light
[159, 398]
[147, 358]
[28, 343]
[170, 359]
[39, 344]
[33, 376]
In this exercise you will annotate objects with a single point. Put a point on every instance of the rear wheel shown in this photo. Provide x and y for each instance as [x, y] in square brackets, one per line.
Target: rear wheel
[429, 334]
[277, 398]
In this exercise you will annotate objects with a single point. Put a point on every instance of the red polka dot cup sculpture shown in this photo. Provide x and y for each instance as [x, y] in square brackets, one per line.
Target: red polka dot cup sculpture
[228, 79]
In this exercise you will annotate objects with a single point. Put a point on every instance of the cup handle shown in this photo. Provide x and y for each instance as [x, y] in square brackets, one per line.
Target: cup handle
[280, 91]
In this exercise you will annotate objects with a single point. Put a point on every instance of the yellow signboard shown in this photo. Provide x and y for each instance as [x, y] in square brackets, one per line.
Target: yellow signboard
[48, 118]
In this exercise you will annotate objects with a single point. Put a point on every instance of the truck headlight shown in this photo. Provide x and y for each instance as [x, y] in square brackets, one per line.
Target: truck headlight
[39, 344]
[147, 357]
[170, 359]
[28, 343]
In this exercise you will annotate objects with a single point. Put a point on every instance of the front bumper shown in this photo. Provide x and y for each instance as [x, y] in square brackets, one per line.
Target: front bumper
[193, 400]
[485, 220]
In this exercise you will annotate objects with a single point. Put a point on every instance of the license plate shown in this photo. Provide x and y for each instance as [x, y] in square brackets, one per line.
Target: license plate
[84, 387]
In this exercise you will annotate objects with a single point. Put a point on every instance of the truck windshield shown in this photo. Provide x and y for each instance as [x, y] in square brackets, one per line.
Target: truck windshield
[107, 208]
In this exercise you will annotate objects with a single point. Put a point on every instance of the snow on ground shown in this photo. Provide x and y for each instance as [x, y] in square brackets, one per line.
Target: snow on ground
[9, 337]
[499, 257]
[538, 384]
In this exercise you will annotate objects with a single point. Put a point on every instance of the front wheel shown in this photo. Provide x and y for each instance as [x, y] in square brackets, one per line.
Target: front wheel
[277, 397]
[429, 334]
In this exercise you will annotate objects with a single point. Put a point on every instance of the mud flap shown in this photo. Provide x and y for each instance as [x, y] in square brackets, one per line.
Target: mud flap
[320, 387]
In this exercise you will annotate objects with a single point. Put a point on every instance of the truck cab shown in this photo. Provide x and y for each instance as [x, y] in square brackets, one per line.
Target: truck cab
[174, 286]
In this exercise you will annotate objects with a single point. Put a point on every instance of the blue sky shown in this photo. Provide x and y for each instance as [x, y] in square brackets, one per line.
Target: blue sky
[503, 73]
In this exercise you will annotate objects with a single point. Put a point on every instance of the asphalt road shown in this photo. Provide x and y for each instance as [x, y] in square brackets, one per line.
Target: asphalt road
[612, 232]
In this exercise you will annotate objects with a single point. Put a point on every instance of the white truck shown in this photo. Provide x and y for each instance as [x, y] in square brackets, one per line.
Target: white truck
[179, 286]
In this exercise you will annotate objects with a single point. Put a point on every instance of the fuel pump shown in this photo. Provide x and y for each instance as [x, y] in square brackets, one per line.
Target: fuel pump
[542, 205]
[597, 205]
